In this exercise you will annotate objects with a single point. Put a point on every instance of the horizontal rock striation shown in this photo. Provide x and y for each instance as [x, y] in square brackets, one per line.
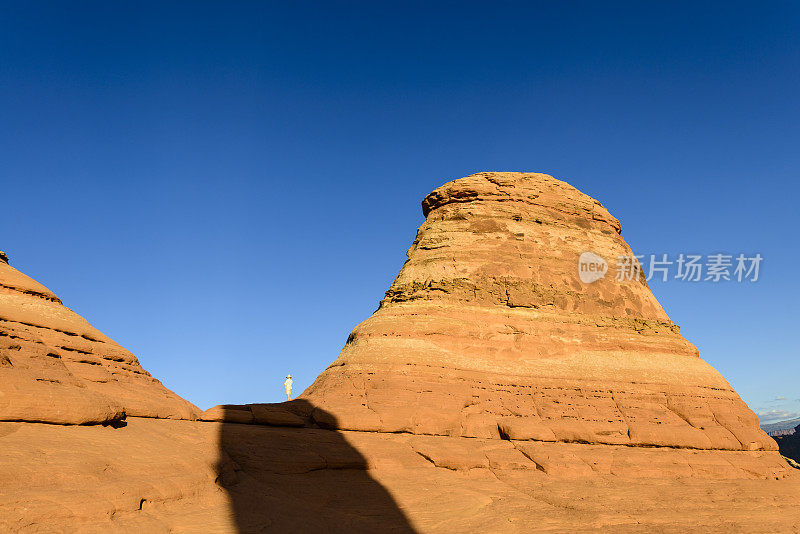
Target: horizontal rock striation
[56, 368]
[489, 332]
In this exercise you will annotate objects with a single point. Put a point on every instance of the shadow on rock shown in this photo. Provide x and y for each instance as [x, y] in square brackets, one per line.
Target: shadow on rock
[284, 473]
[790, 445]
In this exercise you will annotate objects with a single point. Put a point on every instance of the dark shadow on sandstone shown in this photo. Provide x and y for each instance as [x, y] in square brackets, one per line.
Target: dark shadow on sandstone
[285, 474]
[789, 445]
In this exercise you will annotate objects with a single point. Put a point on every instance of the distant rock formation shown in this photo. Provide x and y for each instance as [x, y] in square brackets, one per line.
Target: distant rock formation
[56, 368]
[781, 428]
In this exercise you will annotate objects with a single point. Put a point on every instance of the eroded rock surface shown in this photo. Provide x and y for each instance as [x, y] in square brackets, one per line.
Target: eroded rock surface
[156, 475]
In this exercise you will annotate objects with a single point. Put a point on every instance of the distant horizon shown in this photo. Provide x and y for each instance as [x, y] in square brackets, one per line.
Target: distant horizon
[228, 192]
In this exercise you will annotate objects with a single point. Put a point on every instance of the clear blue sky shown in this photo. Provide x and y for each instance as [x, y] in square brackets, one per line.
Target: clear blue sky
[228, 188]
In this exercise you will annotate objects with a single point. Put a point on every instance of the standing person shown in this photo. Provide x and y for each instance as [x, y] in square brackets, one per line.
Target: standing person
[288, 385]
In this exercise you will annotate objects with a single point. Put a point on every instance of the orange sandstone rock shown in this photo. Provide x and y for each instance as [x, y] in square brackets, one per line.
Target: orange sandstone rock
[488, 332]
[56, 368]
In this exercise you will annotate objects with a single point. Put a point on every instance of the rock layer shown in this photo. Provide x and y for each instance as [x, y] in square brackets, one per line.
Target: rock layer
[56, 368]
[156, 475]
[488, 332]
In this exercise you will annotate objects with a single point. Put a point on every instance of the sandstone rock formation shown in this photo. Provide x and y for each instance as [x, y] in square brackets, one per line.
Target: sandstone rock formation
[56, 368]
[488, 332]
[492, 391]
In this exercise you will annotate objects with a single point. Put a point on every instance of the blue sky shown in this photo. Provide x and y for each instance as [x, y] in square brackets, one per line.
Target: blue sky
[228, 188]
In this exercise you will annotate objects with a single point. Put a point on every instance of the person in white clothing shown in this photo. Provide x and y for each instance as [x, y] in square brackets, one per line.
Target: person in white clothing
[288, 385]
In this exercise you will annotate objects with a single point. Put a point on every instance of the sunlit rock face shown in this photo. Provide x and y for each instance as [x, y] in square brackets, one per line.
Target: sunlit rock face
[56, 368]
[488, 331]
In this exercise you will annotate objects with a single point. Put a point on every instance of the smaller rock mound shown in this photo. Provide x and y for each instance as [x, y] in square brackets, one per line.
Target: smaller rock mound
[56, 368]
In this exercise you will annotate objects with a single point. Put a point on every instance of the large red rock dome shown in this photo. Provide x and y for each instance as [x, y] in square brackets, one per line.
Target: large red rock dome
[488, 331]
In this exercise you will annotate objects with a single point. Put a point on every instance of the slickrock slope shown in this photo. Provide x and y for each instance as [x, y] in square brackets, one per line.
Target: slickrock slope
[56, 368]
[158, 475]
[488, 332]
